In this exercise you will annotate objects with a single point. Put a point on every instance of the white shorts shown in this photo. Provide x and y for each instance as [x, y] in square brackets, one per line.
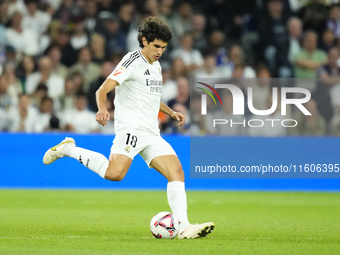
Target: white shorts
[131, 141]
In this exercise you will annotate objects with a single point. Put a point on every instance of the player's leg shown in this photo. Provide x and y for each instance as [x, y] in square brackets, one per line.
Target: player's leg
[160, 155]
[170, 167]
[114, 170]
[118, 167]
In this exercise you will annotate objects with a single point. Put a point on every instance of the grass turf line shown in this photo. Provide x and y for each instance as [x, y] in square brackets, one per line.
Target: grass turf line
[117, 222]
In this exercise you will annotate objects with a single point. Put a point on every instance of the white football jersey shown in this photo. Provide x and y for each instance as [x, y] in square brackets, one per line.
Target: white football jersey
[138, 95]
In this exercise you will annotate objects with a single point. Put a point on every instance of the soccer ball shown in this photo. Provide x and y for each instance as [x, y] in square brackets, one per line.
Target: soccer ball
[164, 225]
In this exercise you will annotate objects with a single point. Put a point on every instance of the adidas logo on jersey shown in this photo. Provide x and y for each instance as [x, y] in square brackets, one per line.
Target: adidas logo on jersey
[147, 72]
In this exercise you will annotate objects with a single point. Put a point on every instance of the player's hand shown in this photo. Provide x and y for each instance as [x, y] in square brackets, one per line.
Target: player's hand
[178, 116]
[102, 117]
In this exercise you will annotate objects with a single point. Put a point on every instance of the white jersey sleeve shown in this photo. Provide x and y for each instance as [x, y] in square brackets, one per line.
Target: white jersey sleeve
[124, 69]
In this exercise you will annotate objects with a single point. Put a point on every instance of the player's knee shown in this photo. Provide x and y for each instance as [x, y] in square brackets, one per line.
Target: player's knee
[177, 174]
[114, 175]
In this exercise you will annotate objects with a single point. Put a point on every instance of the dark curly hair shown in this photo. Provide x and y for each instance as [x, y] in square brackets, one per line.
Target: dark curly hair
[154, 28]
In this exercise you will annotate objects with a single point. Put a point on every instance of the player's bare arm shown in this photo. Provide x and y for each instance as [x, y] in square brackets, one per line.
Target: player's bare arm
[103, 115]
[175, 115]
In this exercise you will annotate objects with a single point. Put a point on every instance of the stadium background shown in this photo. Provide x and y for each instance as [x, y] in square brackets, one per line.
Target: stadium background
[55, 54]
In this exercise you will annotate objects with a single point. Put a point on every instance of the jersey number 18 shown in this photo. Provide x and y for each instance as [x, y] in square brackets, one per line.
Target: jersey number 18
[133, 140]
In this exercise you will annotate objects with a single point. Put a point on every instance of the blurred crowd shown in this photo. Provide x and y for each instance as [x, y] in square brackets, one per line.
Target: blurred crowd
[54, 55]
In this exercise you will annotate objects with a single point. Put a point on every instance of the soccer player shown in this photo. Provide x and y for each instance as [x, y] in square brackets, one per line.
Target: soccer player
[137, 80]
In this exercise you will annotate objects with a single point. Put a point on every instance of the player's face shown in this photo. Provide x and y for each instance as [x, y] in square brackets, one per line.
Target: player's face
[155, 49]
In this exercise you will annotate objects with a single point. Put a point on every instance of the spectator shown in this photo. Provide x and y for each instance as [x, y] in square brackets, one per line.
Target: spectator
[78, 80]
[274, 36]
[64, 12]
[16, 5]
[22, 39]
[4, 14]
[309, 125]
[106, 69]
[54, 83]
[329, 75]
[115, 39]
[26, 67]
[261, 89]
[216, 47]
[333, 22]
[98, 48]
[198, 32]
[314, 15]
[178, 69]
[197, 120]
[80, 119]
[152, 7]
[237, 58]
[192, 58]
[181, 22]
[309, 60]
[209, 70]
[169, 88]
[294, 30]
[80, 38]
[328, 41]
[66, 101]
[14, 88]
[125, 16]
[11, 55]
[233, 17]
[6, 101]
[89, 70]
[68, 53]
[183, 95]
[23, 116]
[109, 27]
[166, 11]
[43, 118]
[91, 11]
[238, 72]
[35, 19]
[48, 8]
[58, 68]
[39, 93]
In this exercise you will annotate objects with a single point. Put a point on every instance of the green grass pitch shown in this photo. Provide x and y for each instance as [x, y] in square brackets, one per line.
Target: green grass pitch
[117, 222]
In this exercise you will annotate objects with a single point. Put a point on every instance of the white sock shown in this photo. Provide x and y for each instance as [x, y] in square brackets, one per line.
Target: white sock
[94, 161]
[67, 149]
[177, 200]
